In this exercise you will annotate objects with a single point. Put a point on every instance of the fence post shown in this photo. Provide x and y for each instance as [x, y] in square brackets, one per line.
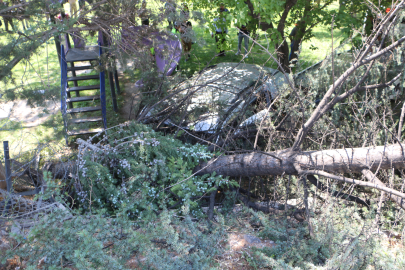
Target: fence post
[7, 165]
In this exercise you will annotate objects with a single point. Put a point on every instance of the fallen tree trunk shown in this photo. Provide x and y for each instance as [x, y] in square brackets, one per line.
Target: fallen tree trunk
[288, 162]
[351, 160]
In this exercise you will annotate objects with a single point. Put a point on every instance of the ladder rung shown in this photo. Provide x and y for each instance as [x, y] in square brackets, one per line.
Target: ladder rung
[86, 120]
[81, 78]
[83, 98]
[81, 88]
[84, 131]
[84, 109]
[79, 68]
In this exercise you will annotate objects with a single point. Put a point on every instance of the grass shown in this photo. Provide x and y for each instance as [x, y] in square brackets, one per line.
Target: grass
[42, 72]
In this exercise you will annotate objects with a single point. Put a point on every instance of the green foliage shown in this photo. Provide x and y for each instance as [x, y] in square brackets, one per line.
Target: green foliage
[96, 242]
[173, 240]
[342, 239]
[143, 172]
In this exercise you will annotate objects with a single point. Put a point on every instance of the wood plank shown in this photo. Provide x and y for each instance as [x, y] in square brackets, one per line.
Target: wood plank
[83, 98]
[82, 88]
[84, 109]
[78, 55]
[81, 78]
[84, 131]
[86, 120]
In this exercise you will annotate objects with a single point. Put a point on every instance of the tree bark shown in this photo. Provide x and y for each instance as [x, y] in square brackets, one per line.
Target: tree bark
[352, 160]
[282, 49]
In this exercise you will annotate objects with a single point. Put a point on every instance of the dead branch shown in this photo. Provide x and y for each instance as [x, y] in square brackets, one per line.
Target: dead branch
[373, 179]
[337, 194]
[327, 102]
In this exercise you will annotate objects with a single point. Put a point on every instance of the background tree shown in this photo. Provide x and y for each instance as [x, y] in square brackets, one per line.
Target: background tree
[275, 17]
[109, 17]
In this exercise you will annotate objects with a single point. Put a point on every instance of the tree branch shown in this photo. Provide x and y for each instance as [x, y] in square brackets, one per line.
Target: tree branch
[356, 182]
[326, 104]
[337, 194]
[373, 179]
[13, 7]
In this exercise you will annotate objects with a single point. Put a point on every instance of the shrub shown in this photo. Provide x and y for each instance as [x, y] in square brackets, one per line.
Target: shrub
[142, 171]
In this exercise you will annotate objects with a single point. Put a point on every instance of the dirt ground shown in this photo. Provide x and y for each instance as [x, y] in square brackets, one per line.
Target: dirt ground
[131, 98]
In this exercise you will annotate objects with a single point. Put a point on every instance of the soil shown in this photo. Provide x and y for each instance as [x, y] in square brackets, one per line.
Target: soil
[132, 98]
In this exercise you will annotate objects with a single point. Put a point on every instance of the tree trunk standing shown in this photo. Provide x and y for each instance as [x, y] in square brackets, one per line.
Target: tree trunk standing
[282, 46]
[295, 49]
[302, 27]
[254, 23]
[282, 56]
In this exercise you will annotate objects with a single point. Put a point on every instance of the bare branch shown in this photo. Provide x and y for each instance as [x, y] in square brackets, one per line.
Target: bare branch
[373, 179]
[352, 181]
[13, 7]
[326, 104]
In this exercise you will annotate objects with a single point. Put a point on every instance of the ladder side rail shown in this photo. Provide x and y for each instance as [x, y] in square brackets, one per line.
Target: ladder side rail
[69, 46]
[110, 74]
[102, 91]
[63, 91]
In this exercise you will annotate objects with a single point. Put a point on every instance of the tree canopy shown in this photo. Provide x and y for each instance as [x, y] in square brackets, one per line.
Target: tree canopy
[275, 17]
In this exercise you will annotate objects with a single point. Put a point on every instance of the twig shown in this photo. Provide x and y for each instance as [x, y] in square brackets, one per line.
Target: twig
[401, 119]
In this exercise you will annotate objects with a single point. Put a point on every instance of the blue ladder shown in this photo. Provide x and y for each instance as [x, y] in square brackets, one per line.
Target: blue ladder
[69, 111]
